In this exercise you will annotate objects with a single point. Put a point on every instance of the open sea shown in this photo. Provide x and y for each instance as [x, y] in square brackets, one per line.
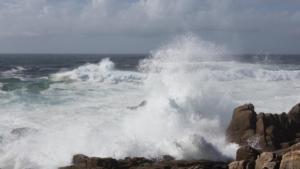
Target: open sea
[178, 100]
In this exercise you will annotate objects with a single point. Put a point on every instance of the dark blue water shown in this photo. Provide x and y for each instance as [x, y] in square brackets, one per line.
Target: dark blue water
[27, 70]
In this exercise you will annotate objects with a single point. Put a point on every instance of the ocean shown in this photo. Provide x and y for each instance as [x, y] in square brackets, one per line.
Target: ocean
[178, 100]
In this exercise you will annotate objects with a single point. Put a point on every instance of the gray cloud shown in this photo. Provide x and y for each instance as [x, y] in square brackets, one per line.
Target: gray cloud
[96, 25]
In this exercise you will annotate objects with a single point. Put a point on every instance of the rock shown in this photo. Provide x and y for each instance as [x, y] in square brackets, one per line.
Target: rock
[291, 160]
[264, 131]
[246, 153]
[167, 158]
[243, 164]
[267, 160]
[22, 131]
[242, 125]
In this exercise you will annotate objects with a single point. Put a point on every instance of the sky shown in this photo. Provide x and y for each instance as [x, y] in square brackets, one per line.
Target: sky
[139, 26]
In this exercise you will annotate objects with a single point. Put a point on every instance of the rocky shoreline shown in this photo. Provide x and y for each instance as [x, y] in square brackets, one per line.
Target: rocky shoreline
[267, 141]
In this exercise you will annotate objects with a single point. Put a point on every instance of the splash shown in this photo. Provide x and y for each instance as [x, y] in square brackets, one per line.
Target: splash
[179, 103]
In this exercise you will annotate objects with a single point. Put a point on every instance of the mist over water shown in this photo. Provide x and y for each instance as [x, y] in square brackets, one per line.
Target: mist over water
[178, 102]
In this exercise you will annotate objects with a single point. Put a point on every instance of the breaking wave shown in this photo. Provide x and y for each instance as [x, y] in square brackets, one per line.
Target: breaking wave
[101, 72]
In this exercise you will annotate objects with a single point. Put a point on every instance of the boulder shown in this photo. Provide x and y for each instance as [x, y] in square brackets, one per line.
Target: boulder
[290, 160]
[242, 125]
[243, 164]
[267, 160]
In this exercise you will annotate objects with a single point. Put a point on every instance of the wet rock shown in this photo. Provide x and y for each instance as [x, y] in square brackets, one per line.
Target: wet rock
[242, 125]
[246, 153]
[167, 158]
[22, 131]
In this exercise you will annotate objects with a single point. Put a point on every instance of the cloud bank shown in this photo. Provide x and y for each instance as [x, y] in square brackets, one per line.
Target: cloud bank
[112, 25]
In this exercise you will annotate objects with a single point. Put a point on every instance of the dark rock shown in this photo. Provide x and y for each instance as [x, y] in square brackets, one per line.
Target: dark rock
[246, 153]
[83, 162]
[167, 158]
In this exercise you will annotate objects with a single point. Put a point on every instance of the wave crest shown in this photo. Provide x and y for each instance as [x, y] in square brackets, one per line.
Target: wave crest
[104, 71]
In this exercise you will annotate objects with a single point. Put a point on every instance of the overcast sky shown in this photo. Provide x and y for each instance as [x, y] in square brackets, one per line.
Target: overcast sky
[138, 26]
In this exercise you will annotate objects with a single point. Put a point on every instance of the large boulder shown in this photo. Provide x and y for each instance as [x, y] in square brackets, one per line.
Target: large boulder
[242, 125]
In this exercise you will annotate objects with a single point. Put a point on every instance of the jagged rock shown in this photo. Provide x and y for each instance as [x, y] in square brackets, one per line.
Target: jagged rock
[291, 160]
[267, 160]
[264, 131]
[246, 153]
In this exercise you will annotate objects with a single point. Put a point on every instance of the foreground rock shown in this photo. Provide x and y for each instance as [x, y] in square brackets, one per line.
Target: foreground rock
[268, 141]
[264, 131]
[84, 162]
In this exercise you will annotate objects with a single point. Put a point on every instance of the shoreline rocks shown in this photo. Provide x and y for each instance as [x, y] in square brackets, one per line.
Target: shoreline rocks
[267, 141]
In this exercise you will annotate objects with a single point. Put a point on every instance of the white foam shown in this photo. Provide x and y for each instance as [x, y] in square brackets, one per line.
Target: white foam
[13, 72]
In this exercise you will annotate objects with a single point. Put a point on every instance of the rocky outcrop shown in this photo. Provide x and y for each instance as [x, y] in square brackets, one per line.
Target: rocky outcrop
[84, 162]
[264, 131]
[268, 141]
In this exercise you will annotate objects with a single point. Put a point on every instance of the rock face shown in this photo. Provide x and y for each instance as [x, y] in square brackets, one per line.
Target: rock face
[84, 162]
[264, 131]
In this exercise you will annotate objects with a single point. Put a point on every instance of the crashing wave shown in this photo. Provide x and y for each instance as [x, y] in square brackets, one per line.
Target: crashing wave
[104, 71]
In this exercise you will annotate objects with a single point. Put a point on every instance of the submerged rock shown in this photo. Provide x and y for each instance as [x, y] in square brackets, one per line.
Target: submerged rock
[22, 131]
